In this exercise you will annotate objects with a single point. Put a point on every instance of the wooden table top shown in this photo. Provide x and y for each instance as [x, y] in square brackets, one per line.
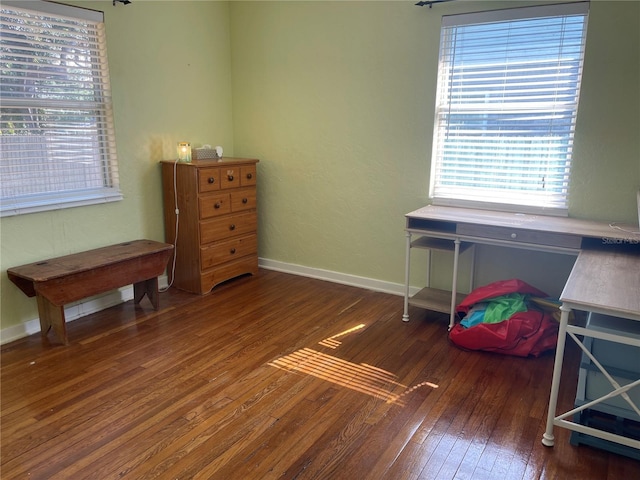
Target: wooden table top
[539, 223]
[79, 262]
[607, 279]
[214, 162]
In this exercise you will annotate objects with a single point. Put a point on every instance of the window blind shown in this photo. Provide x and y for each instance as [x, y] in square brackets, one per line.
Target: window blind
[507, 99]
[56, 126]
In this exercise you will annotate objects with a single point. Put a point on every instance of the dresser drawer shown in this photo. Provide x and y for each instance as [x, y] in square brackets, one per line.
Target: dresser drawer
[520, 235]
[208, 179]
[230, 177]
[243, 199]
[228, 250]
[248, 175]
[228, 226]
[212, 205]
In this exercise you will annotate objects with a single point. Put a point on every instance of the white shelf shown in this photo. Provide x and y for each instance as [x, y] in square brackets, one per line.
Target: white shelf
[440, 244]
[434, 299]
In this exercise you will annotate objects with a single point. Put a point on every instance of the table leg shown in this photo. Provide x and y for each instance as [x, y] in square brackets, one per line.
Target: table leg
[51, 318]
[148, 287]
[472, 268]
[547, 437]
[405, 315]
[454, 286]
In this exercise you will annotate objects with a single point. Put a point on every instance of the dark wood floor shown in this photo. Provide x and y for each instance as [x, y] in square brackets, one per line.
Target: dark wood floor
[279, 376]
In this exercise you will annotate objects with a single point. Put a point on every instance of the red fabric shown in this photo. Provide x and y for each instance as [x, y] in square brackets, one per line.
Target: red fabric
[523, 334]
[496, 289]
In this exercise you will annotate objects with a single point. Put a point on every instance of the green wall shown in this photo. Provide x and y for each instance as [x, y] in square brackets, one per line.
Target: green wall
[336, 99]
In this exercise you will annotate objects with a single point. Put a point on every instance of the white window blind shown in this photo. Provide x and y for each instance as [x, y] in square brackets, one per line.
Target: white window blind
[56, 121]
[507, 99]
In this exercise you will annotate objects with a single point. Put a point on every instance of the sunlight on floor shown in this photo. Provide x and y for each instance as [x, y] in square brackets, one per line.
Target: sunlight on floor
[361, 377]
[331, 342]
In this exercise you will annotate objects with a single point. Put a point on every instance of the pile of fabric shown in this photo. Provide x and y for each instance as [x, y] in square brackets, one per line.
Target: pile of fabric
[509, 317]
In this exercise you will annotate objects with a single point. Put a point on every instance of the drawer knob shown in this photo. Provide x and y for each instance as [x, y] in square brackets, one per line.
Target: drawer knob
[230, 177]
[232, 227]
[211, 180]
[217, 205]
[232, 251]
[513, 235]
[249, 176]
[245, 200]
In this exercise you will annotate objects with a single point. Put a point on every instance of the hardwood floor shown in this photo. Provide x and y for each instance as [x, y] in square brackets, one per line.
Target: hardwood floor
[279, 376]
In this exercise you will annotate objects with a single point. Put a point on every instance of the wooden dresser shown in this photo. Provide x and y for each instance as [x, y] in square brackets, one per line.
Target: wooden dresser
[217, 221]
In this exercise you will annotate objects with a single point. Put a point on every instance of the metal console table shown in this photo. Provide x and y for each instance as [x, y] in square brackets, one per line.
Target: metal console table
[458, 229]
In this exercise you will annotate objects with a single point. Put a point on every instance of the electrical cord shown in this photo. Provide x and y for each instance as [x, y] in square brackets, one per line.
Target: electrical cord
[175, 242]
[615, 226]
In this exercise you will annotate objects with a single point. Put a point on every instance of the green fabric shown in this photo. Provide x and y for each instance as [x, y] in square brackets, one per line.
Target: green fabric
[501, 308]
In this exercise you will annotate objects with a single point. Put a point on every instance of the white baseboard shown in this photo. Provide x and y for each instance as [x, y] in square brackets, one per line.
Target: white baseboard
[76, 310]
[124, 294]
[336, 277]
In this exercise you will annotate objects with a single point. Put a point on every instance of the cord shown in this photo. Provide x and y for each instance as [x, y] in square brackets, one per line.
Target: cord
[615, 226]
[177, 212]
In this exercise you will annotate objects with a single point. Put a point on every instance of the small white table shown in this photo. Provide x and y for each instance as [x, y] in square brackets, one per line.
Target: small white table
[604, 281]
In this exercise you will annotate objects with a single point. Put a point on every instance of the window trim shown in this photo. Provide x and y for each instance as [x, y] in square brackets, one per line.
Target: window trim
[45, 203]
[53, 8]
[505, 15]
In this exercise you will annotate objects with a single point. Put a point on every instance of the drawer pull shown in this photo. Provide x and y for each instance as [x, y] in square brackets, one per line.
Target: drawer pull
[245, 200]
[211, 180]
[232, 251]
[230, 177]
[249, 176]
[513, 235]
[232, 227]
[217, 205]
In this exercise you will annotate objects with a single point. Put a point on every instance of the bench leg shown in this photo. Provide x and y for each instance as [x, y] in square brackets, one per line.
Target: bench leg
[148, 287]
[51, 318]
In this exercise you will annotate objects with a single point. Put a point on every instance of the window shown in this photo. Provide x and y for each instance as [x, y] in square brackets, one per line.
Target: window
[507, 99]
[56, 122]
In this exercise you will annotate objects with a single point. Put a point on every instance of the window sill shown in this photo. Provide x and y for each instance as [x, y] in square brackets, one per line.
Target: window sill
[501, 207]
[9, 208]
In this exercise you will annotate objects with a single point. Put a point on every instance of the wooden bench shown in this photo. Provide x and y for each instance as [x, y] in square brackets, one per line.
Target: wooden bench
[58, 281]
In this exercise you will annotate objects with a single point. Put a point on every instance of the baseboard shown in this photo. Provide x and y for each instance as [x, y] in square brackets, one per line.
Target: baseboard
[124, 294]
[75, 310]
[336, 277]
